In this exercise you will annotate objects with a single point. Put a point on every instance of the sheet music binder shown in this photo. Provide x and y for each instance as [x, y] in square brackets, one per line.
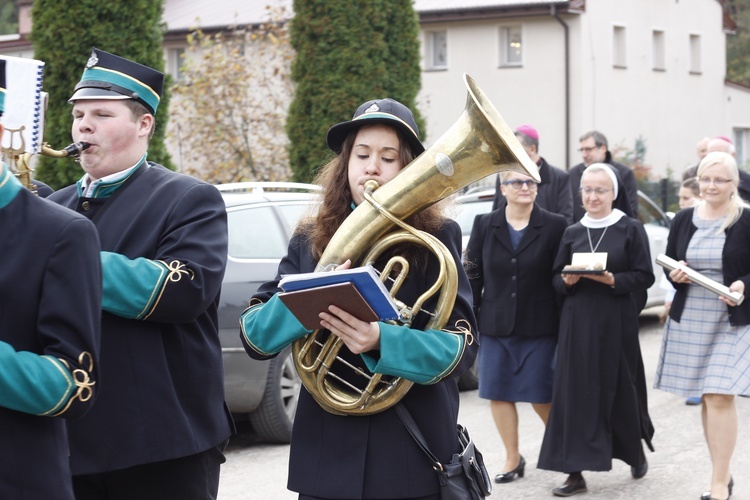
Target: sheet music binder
[24, 102]
[364, 278]
[308, 303]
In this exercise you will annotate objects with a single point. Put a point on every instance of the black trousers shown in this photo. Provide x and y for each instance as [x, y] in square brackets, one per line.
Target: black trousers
[195, 477]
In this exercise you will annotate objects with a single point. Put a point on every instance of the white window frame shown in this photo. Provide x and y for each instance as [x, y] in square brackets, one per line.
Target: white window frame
[659, 52]
[176, 59]
[619, 46]
[507, 58]
[695, 54]
[741, 142]
[435, 43]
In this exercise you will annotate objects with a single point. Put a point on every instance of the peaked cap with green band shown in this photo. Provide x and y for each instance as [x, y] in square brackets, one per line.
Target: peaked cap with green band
[108, 76]
[387, 111]
[2, 86]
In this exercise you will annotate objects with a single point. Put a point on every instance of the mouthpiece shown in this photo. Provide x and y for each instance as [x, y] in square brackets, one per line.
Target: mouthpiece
[76, 148]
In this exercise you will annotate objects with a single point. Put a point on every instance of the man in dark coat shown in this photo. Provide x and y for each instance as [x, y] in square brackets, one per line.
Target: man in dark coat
[553, 193]
[594, 149]
[160, 425]
[50, 303]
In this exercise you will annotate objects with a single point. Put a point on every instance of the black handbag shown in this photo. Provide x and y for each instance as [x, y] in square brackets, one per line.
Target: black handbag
[465, 477]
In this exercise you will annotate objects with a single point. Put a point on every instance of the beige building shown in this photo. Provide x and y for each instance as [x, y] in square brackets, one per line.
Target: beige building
[650, 69]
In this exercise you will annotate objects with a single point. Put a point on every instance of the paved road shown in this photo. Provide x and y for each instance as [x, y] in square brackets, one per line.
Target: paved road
[679, 469]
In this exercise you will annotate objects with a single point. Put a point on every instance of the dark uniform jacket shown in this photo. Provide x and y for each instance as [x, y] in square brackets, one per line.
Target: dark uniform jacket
[50, 307]
[735, 261]
[553, 193]
[374, 456]
[627, 199]
[164, 250]
[512, 289]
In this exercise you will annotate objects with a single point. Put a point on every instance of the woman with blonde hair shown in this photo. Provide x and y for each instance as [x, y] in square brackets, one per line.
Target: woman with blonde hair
[509, 260]
[706, 346]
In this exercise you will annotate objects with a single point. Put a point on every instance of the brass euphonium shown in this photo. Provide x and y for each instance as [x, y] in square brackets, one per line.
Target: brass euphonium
[479, 144]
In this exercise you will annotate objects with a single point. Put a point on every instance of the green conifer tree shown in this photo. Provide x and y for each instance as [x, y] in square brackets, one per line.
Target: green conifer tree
[347, 53]
[63, 34]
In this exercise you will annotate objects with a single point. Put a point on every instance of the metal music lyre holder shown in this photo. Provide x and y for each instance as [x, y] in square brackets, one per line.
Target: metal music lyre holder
[670, 264]
[16, 161]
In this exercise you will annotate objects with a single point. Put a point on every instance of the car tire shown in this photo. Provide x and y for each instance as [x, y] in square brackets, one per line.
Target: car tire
[469, 381]
[273, 418]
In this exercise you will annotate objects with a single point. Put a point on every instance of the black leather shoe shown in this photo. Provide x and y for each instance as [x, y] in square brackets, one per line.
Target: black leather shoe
[507, 477]
[707, 494]
[570, 489]
[640, 471]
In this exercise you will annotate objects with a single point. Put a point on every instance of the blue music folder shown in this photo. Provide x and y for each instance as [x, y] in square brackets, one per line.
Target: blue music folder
[364, 278]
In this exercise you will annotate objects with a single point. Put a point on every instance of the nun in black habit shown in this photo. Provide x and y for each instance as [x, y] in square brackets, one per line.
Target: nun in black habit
[599, 402]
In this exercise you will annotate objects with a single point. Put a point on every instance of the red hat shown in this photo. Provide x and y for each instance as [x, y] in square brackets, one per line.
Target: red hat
[724, 138]
[528, 130]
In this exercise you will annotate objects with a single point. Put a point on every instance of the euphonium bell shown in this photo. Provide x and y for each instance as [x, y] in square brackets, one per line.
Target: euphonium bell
[478, 144]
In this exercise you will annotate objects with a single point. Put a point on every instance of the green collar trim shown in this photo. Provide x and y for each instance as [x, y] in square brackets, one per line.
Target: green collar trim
[9, 186]
[105, 189]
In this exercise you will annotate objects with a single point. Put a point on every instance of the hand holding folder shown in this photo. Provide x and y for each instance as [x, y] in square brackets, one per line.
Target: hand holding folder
[357, 291]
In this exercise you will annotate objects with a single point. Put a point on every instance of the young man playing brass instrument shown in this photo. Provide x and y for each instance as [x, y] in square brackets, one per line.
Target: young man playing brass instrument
[160, 425]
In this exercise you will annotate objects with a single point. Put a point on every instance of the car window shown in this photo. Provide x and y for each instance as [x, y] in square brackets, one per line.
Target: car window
[292, 213]
[467, 211]
[649, 214]
[255, 233]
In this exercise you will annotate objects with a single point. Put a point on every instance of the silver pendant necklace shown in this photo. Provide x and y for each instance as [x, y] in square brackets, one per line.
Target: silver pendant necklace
[591, 245]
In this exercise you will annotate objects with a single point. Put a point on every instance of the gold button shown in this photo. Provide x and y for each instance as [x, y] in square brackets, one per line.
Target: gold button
[85, 206]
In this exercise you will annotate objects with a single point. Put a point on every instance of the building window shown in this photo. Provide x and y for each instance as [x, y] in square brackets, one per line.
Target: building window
[695, 54]
[437, 49]
[619, 54]
[511, 46]
[659, 52]
[176, 59]
[740, 144]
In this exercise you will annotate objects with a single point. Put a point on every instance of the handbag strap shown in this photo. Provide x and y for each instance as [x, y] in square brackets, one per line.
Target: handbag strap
[411, 426]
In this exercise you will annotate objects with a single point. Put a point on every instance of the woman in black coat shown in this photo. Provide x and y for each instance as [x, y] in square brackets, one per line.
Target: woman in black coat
[372, 456]
[509, 260]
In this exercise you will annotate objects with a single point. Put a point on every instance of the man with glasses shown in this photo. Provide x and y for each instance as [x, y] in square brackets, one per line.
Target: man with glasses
[724, 145]
[553, 193]
[593, 148]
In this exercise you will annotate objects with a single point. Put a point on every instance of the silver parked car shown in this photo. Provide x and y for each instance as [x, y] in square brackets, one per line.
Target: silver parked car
[261, 217]
[654, 221]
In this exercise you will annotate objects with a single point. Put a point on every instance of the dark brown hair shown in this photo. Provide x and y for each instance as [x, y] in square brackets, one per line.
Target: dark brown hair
[336, 204]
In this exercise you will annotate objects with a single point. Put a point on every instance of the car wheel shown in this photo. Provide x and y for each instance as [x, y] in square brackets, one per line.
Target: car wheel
[273, 418]
[469, 380]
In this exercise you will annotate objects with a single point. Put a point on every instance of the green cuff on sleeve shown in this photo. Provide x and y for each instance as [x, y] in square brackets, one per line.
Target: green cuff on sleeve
[131, 288]
[268, 328]
[30, 383]
[423, 357]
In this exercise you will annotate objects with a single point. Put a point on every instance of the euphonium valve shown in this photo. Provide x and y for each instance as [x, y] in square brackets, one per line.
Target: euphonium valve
[478, 144]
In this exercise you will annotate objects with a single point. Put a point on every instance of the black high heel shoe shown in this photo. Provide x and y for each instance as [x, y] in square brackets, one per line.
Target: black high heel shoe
[507, 477]
[730, 486]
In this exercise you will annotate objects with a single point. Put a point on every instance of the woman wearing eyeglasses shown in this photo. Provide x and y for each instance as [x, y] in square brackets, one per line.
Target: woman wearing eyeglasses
[509, 261]
[599, 403]
[706, 346]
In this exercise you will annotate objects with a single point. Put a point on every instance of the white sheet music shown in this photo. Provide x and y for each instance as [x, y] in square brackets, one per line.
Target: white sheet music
[24, 102]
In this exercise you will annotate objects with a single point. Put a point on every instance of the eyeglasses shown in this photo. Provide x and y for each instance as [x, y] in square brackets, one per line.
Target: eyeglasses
[717, 182]
[598, 191]
[588, 150]
[516, 184]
